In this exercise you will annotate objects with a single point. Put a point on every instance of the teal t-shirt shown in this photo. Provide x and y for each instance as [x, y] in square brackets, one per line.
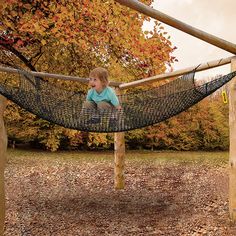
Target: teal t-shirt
[107, 95]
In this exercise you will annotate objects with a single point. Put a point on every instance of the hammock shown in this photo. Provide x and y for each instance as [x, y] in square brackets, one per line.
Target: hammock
[139, 109]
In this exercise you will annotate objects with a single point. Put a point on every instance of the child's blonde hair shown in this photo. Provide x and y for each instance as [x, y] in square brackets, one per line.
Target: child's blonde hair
[100, 73]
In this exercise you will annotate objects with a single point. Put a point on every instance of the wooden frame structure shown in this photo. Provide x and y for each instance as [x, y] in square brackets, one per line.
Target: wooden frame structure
[232, 149]
[209, 38]
[3, 150]
[119, 137]
[223, 44]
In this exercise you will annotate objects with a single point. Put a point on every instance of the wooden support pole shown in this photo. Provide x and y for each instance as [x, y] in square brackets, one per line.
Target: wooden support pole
[232, 149]
[119, 85]
[54, 76]
[119, 160]
[203, 66]
[3, 149]
[148, 11]
[119, 146]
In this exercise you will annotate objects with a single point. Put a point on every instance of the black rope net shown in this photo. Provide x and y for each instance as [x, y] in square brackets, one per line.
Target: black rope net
[139, 109]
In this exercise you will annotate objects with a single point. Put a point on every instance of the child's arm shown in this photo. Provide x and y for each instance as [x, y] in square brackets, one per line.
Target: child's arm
[118, 107]
[89, 95]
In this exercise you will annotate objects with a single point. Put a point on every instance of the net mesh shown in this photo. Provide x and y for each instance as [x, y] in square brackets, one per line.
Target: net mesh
[139, 109]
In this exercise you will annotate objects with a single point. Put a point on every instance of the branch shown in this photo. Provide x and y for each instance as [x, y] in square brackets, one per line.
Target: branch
[18, 54]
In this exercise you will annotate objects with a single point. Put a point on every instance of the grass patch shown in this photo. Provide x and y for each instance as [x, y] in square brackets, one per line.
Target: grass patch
[214, 158]
[138, 157]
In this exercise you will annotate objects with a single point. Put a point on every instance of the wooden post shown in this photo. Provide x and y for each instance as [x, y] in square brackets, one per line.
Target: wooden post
[119, 139]
[119, 145]
[3, 149]
[232, 149]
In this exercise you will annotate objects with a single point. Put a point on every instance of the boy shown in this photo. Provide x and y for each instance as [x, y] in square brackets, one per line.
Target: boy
[100, 96]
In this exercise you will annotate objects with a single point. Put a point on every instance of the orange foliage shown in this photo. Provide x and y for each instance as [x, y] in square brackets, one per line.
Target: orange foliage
[104, 28]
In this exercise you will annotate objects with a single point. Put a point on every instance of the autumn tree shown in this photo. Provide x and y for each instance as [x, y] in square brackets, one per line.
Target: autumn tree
[72, 37]
[202, 127]
[97, 32]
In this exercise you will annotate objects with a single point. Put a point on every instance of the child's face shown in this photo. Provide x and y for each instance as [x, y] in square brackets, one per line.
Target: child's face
[96, 84]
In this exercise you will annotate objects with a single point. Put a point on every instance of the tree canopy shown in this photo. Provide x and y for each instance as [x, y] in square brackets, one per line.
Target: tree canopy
[72, 37]
[90, 32]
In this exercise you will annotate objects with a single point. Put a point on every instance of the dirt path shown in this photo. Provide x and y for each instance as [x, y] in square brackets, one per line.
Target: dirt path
[66, 199]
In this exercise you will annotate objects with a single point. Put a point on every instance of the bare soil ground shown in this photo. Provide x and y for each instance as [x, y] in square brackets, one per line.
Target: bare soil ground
[70, 198]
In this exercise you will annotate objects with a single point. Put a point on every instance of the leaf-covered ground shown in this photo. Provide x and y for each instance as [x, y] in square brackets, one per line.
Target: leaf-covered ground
[69, 194]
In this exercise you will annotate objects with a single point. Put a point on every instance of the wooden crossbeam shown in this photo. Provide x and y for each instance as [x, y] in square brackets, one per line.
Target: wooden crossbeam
[201, 67]
[55, 76]
[209, 38]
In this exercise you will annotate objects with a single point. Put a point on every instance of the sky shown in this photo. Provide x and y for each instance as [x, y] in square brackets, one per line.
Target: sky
[217, 17]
